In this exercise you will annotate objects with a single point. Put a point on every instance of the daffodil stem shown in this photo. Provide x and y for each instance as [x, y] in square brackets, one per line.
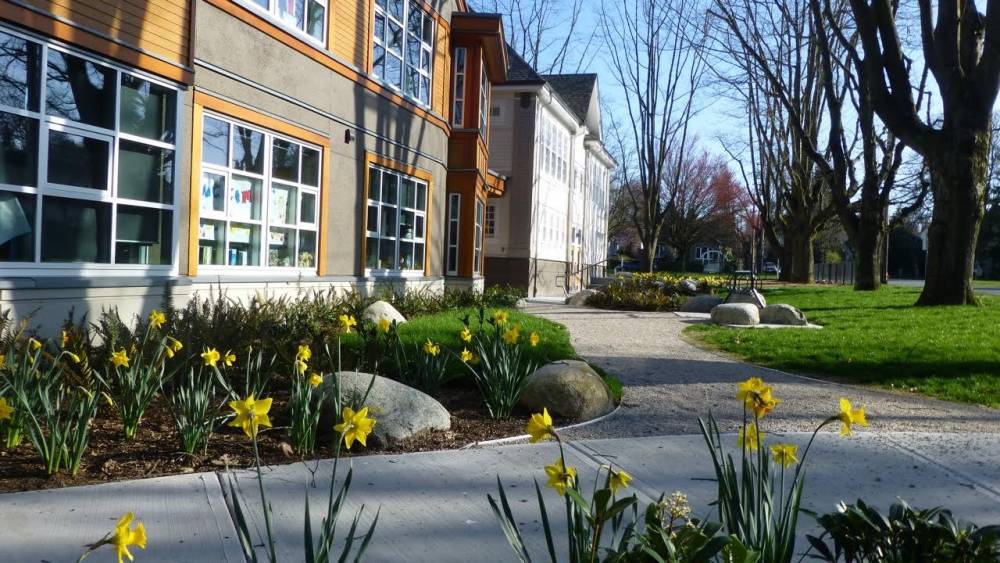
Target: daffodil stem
[263, 502]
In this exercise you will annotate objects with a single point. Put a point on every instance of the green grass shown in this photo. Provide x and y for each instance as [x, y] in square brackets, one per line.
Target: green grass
[879, 338]
[987, 284]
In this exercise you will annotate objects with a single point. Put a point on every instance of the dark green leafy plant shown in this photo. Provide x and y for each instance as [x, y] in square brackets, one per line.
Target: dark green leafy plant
[195, 403]
[860, 533]
[499, 363]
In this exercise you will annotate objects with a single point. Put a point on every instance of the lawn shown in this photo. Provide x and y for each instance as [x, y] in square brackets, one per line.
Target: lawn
[879, 339]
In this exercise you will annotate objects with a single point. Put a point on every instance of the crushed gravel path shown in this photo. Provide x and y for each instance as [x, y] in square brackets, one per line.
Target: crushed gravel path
[669, 383]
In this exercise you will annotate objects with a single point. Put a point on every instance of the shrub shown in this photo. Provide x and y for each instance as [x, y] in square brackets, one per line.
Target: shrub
[650, 292]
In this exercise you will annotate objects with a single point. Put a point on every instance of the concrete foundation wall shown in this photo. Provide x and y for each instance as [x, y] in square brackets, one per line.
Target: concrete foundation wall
[539, 278]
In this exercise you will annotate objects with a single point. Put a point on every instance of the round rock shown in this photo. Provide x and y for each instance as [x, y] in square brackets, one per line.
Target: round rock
[782, 314]
[689, 286]
[742, 314]
[579, 299]
[570, 388]
[382, 310]
[399, 411]
[753, 296]
[700, 304]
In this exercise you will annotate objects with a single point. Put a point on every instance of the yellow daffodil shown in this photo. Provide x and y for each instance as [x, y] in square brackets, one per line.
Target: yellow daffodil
[467, 356]
[850, 416]
[64, 339]
[540, 426]
[73, 357]
[466, 334]
[757, 396]
[785, 454]
[3, 360]
[316, 380]
[512, 335]
[500, 317]
[169, 351]
[560, 476]
[534, 339]
[229, 359]
[34, 344]
[619, 480]
[174, 344]
[125, 536]
[156, 319]
[211, 357]
[119, 359]
[751, 438]
[347, 322]
[300, 367]
[384, 325]
[431, 348]
[5, 409]
[356, 426]
[251, 414]
[305, 353]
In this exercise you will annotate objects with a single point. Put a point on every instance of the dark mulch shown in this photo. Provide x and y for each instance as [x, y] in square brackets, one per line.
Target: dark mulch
[156, 449]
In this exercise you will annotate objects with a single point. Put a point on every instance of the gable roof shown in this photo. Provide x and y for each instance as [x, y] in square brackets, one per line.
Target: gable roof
[519, 71]
[575, 89]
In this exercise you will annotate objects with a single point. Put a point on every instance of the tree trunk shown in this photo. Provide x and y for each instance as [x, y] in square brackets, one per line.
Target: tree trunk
[868, 246]
[799, 250]
[649, 254]
[958, 182]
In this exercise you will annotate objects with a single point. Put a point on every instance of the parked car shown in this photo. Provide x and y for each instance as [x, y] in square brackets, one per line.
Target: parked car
[772, 268]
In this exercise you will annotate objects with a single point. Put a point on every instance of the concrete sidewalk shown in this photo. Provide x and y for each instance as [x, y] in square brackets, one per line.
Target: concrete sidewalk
[432, 506]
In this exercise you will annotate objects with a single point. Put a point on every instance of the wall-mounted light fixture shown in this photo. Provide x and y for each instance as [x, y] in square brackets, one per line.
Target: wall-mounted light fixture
[348, 136]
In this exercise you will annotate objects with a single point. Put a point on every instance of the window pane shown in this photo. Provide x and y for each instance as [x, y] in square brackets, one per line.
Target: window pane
[418, 256]
[307, 210]
[412, 87]
[144, 235]
[285, 160]
[422, 197]
[380, 27]
[452, 259]
[372, 225]
[245, 198]
[428, 29]
[281, 248]
[292, 12]
[17, 227]
[405, 255]
[310, 167]
[374, 184]
[248, 150]
[386, 255]
[284, 200]
[211, 242]
[408, 193]
[414, 21]
[317, 19]
[75, 230]
[425, 90]
[394, 38]
[378, 61]
[145, 172]
[388, 221]
[396, 9]
[394, 71]
[244, 245]
[19, 152]
[413, 51]
[147, 109]
[215, 142]
[21, 63]
[418, 227]
[406, 225]
[371, 252]
[80, 90]
[307, 249]
[390, 187]
[75, 160]
[213, 192]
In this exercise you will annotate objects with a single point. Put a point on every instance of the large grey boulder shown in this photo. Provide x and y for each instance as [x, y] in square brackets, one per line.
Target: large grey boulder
[700, 304]
[753, 296]
[579, 299]
[382, 310]
[782, 314]
[569, 388]
[742, 314]
[399, 411]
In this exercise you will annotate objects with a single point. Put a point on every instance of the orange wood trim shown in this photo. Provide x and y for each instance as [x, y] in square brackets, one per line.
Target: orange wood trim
[245, 114]
[409, 170]
[326, 59]
[194, 209]
[364, 214]
[370, 50]
[322, 263]
[83, 38]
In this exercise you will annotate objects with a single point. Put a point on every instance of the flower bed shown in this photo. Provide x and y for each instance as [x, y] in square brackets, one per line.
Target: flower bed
[652, 292]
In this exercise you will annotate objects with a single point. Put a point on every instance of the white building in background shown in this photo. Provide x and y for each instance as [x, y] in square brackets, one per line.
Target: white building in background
[546, 139]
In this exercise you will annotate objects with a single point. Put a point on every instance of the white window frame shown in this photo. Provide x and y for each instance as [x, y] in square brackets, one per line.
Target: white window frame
[458, 94]
[395, 270]
[484, 100]
[426, 46]
[454, 227]
[491, 221]
[273, 14]
[477, 249]
[266, 222]
[109, 196]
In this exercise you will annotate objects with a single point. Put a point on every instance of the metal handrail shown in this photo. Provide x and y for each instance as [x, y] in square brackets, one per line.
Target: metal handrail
[568, 276]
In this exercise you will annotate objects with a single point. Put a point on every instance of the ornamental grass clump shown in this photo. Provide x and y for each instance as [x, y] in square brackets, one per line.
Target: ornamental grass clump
[305, 402]
[497, 358]
[759, 501]
[138, 370]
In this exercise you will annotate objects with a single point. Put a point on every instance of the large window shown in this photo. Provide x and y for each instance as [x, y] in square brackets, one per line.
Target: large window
[404, 47]
[458, 106]
[307, 17]
[259, 203]
[454, 211]
[87, 167]
[484, 100]
[491, 221]
[477, 255]
[397, 219]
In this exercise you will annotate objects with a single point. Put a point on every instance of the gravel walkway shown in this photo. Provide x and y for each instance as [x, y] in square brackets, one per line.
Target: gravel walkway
[669, 383]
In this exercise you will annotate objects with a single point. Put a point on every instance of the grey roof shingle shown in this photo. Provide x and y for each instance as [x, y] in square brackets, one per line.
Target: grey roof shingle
[575, 89]
[519, 71]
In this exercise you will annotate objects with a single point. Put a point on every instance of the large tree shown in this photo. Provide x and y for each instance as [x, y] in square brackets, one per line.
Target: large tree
[961, 48]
